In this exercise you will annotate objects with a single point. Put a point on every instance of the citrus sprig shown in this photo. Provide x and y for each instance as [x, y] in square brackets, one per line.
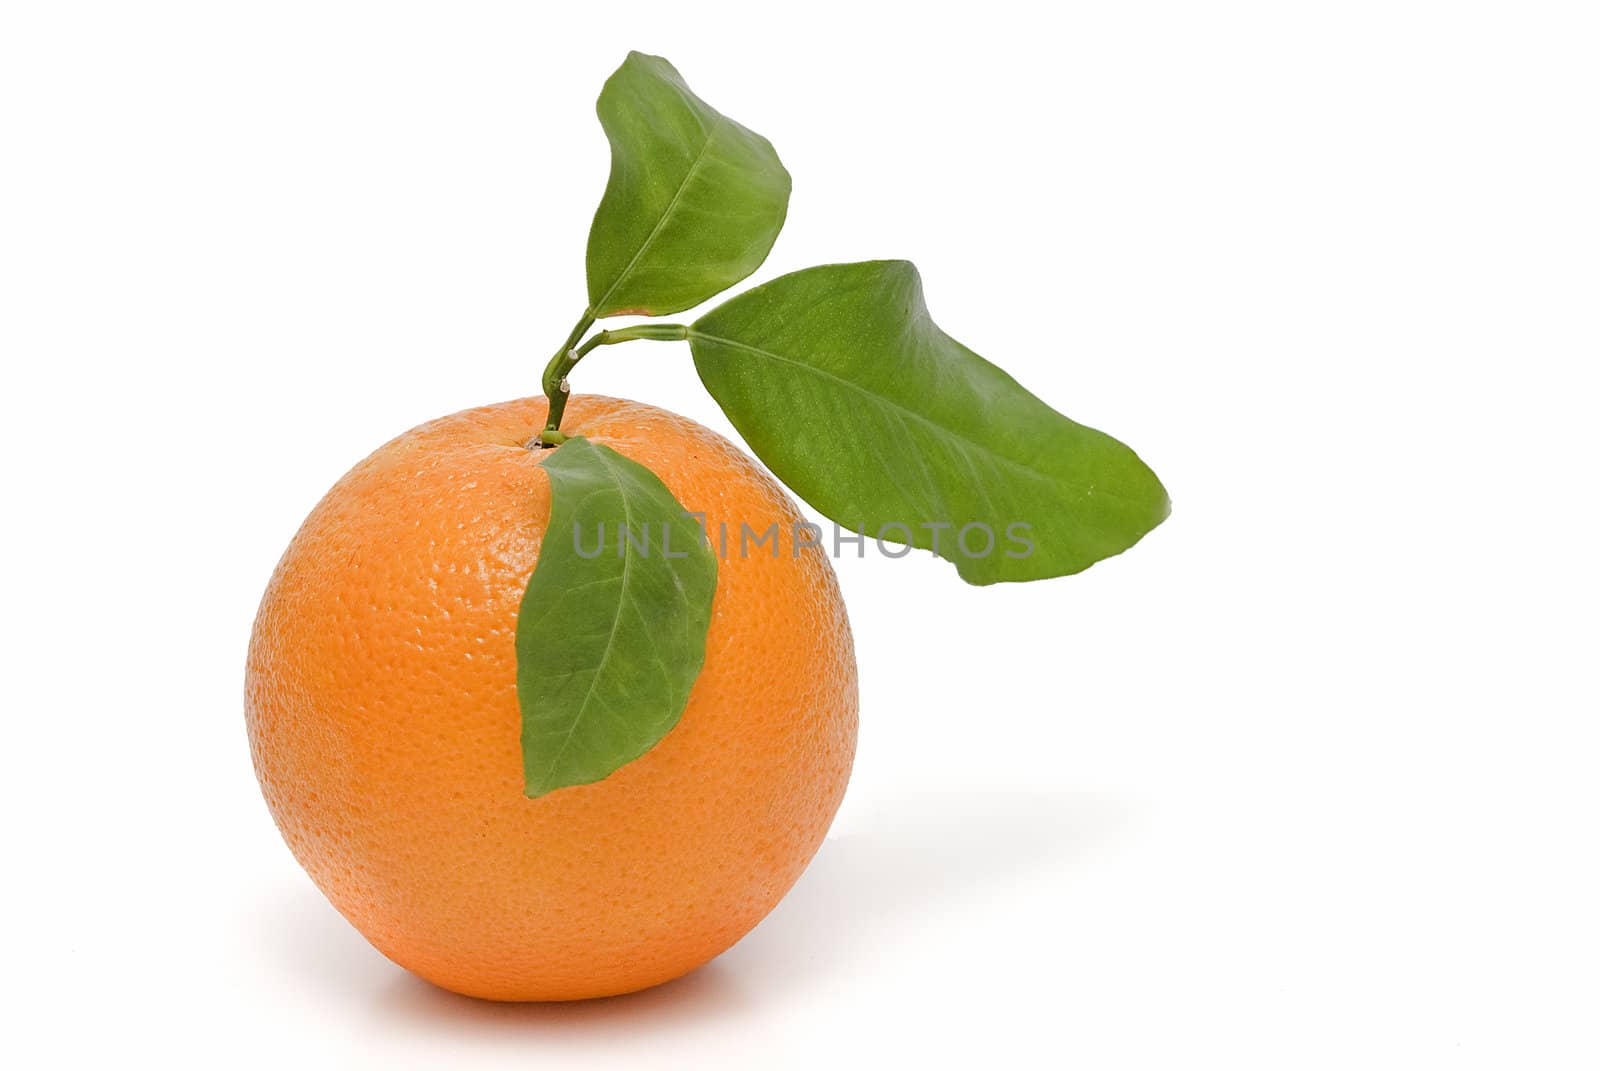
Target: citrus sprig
[925, 440]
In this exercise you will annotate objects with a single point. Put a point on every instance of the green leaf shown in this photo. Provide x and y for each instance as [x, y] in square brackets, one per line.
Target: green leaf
[694, 201]
[612, 628]
[839, 380]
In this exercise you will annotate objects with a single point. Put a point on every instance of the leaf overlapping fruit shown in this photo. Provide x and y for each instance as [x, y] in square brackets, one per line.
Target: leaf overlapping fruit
[837, 378]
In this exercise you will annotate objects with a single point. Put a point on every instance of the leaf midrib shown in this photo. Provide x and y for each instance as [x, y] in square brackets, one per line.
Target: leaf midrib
[666, 213]
[616, 619]
[890, 403]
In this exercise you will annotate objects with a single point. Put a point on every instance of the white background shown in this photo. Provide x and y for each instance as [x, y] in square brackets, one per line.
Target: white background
[1306, 780]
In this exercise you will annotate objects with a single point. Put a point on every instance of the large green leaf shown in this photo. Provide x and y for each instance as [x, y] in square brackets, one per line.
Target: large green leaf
[694, 201]
[612, 629]
[843, 385]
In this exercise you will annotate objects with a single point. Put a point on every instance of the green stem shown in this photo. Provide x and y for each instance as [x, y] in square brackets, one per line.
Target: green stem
[656, 332]
[567, 358]
[555, 373]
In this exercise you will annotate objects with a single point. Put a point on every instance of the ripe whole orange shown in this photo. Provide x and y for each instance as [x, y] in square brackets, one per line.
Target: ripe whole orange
[384, 724]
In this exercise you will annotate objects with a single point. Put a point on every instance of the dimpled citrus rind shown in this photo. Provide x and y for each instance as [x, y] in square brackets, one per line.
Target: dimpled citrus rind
[383, 720]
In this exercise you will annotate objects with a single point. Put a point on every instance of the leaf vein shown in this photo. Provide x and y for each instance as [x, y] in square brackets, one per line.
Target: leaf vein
[884, 403]
[666, 213]
[616, 620]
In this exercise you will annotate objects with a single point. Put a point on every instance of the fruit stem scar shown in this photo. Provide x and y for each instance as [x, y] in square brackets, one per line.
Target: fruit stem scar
[570, 353]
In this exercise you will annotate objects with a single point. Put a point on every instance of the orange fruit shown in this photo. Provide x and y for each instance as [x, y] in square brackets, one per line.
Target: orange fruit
[385, 729]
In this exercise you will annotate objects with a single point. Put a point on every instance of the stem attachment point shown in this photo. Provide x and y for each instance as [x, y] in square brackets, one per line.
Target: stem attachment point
[555, 373]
